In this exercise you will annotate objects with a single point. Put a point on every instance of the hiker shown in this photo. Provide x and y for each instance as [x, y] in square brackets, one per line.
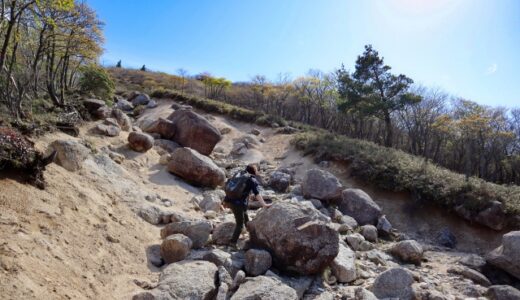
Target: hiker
[238, 190]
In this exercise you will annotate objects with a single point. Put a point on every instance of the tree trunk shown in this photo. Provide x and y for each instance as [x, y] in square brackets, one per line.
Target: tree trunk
[389, 130]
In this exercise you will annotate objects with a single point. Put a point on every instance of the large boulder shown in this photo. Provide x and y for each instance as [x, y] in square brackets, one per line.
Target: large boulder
[140, 142]
[184, 280]
[280, 181]
[321, 185]
[493, 216]
[196, 168]
[198, 231]
[359, 205]
[175, 247]
[194, 131]
[296, 235]
[507, 256]
[344, 265]
[394, 283]
[257, 262]
[69, 154]
[161, 126]
[408, 251]
[265, 288]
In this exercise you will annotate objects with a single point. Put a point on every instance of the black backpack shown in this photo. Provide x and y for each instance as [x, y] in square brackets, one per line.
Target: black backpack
[236, 186]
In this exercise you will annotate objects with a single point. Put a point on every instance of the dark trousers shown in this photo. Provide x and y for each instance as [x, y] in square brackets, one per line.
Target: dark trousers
[241, 218]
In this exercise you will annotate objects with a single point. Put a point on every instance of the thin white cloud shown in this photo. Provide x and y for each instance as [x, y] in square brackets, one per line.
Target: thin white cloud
[492, 69]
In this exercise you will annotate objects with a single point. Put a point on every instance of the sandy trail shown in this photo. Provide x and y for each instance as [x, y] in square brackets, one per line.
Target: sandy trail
[81, 238]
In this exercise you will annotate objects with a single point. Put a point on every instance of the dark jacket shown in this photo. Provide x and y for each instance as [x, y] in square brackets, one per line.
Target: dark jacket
[252, 187]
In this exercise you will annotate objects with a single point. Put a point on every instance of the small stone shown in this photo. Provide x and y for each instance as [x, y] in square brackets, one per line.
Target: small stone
[369, 232]
[408, 251]
[175, 247]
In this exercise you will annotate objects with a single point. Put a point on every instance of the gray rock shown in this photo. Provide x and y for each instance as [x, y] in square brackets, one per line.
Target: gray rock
[198, 231]
[321, 185]
[151, 214]
[265, 288]
[196, 168]
[153, 253]
[364, 294]
[218, 257]
[369, 232]
[122, 119]
[110, 121]
[446, 238]
[69, 154]
[378, 257]
[151, 104]
[296, 236]
[344, 265]
[175, 247]
[223, 290]
[238, 149]
[140, 142]
[394, 283]
[473, 261]
[239, 278]
[493, 217]
[503, 292]
[124, 105]
[211, 201]
[384, 227]
[108, 130]
[186, 280]
[408, 251]
[321, 296]
[280, 181]
[471, 274]
[359, 205]
[140, 99]
[300, 283]
[223, 233]
[257, 262]
[103, 112]
[358, 243]
[160, 126]
[166, 145]
[507, 256]
[349, 221]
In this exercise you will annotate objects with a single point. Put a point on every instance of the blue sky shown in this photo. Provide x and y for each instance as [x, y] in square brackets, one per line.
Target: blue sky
[470, 48]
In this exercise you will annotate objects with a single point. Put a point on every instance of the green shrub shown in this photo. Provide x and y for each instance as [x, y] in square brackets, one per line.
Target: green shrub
[96, 80]
[396, 170]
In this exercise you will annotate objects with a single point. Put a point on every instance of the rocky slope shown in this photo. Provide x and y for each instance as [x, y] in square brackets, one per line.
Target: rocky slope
[119, 220]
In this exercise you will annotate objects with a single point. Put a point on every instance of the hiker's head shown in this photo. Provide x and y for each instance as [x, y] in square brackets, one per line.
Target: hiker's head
[251, 169]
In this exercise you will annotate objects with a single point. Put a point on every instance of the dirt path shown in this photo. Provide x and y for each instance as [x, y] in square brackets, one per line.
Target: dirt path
[81, 237]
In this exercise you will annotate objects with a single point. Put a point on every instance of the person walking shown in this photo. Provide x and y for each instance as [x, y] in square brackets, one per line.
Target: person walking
[238, 190]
